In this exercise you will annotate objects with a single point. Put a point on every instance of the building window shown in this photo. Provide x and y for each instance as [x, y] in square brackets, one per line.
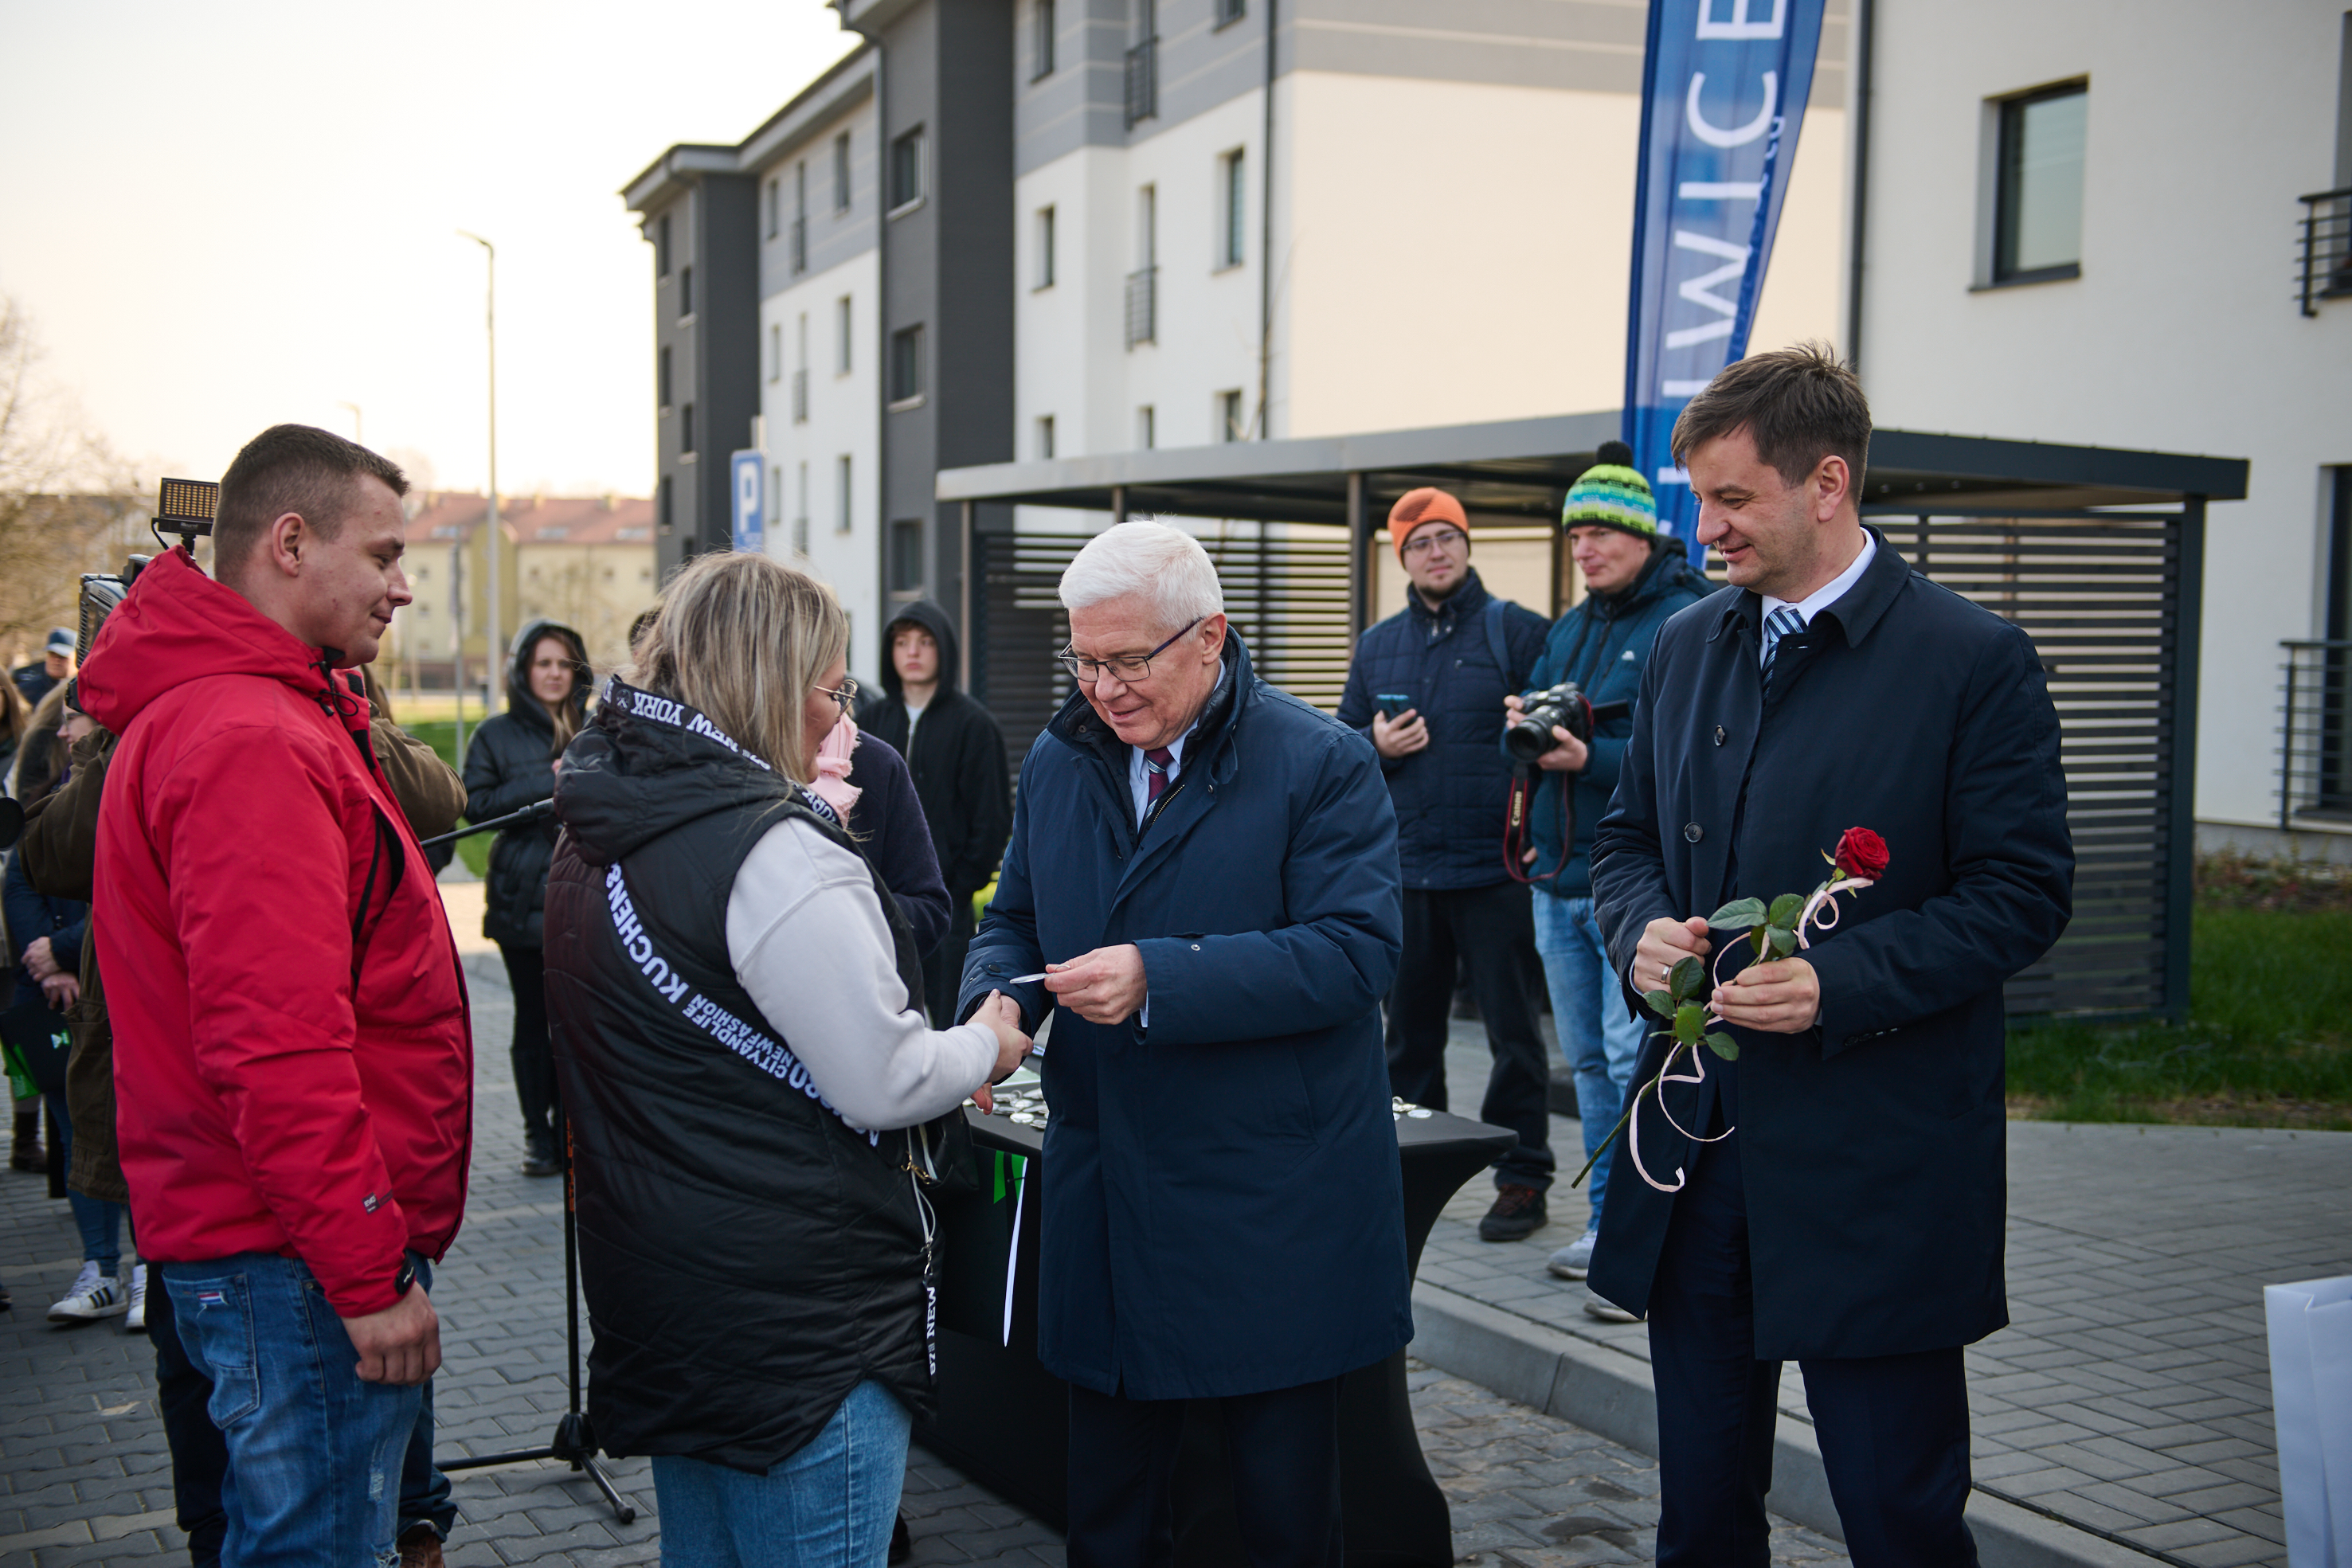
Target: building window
[685, 291]
[775, 205]
[685, 429]
[2037, 221]
[906, 555]
[906, 172]
[840, 338]
[661, 245]
[800, 218]
[1231, 11]
[664, 504]
[775, 353]
[1229, 416]
[662, 376]
[1145, 427]
[1143, 65]
[1041, 46]
[1143, 283]
[1044, 247]
[840, 493]
[799, 510]
[800, 371]
[1233, 208]
[1045, 437]
[906, 365]
[841, 173]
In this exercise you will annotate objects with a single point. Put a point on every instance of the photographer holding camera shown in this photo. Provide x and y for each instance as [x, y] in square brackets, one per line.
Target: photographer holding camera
[292, 1058]
[1422, 689]
[1634, 578]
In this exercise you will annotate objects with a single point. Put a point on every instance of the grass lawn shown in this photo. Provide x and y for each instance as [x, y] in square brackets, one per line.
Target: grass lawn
[2268, 1040]
[441, 735]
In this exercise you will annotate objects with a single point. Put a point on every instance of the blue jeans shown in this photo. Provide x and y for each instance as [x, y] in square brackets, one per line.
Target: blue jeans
[100, 1222]
[314, 1453]
[1596, 1034]
[831, 1505]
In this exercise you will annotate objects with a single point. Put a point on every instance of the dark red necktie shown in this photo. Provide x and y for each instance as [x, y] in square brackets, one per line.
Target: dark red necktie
[1160, 759]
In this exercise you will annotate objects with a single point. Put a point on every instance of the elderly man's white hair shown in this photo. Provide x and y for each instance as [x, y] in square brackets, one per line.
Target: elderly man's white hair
[1166, 565]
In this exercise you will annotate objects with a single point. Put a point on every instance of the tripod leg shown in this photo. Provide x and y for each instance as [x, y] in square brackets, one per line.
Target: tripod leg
[623, 1509]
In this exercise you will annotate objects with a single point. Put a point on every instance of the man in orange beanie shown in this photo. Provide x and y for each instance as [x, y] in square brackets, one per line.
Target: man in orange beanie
[1425, 688]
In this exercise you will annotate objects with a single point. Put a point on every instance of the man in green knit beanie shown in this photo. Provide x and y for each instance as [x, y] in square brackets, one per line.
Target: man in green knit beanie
[1634, 578]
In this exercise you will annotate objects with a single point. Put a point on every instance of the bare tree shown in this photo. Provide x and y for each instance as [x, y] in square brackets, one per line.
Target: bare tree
[67, 504]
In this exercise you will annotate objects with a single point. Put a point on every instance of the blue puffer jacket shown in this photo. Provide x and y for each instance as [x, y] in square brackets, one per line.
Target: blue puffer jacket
[1602, 645]
[1451, 795]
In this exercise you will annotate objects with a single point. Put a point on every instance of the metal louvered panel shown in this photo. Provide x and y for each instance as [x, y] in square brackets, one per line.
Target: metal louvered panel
[2100, 594]
[1286, 588]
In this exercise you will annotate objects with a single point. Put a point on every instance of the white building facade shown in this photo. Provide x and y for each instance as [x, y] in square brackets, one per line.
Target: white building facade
[2083, 227]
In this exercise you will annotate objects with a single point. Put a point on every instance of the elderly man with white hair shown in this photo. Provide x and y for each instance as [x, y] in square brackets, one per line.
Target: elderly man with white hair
[1205, 869]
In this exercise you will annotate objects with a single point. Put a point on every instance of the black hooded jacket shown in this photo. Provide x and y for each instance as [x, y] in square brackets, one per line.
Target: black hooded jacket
[957, 758]
[511, 763]
[749, 1256]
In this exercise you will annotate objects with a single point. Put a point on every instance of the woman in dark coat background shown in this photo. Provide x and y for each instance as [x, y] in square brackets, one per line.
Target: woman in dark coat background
[511, 763]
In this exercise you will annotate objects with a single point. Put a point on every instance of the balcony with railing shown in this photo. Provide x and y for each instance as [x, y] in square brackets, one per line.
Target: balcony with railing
[2316, 734]
[2326, 269]
[800, 397]
[1143, 82]
[1143, 306]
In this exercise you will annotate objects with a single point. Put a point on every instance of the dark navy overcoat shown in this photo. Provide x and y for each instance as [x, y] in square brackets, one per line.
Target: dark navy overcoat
[1872, 1145]
[1222, 1207]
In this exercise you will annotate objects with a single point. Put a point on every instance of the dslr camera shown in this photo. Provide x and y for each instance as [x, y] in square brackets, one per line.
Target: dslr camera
[1564, 705]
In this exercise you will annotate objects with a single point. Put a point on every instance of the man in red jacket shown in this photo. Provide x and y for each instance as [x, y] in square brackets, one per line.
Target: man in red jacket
[293, 1061]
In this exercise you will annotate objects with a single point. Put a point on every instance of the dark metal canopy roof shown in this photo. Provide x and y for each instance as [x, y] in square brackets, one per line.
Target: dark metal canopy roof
[1522, 466]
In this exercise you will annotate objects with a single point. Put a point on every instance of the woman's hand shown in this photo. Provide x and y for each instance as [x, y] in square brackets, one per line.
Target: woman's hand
[1001, 1015]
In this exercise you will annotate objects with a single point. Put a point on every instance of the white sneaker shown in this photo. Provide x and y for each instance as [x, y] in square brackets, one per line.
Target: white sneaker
[1574, 1261]
[93, 1296]
[136, 1320]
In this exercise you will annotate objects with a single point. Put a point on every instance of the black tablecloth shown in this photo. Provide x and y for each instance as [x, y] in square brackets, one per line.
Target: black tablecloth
[1004, 1420]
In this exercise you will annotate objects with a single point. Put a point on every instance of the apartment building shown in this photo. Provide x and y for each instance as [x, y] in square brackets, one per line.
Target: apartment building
[2129, 229]
[587, 561]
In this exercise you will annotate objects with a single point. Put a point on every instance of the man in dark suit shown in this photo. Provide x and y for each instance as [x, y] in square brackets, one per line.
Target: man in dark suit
[1204, 867]
[1851, 1214]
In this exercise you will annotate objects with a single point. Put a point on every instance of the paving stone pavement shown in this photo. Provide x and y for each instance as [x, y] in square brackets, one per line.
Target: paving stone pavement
[2130, 1393]
[84, 1476]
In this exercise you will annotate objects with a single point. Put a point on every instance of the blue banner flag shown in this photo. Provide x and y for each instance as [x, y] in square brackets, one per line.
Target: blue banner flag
[1723, 84]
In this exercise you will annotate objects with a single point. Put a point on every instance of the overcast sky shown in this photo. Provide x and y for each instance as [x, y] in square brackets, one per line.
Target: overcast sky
[221, 216]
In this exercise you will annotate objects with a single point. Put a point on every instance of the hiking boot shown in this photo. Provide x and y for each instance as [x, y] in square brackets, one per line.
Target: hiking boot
[1574, 1261]
[420, 1548]
[136, 1320]
[1518, 1211]
[94, 1296]
[26, 1154]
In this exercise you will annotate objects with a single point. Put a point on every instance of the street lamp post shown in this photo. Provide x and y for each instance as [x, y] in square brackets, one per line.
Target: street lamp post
[492, 652]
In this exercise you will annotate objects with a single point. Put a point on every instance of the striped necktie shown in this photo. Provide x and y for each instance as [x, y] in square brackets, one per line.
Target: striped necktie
[1782, 621]
[1155, 763]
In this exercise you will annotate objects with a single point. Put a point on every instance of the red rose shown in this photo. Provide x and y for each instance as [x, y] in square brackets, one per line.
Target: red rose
[1862, 853]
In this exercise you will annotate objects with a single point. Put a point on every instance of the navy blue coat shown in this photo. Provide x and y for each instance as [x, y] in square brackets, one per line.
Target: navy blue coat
[1604, 645]
[1223, 1211]
[1872, 1144]
[1449, 795]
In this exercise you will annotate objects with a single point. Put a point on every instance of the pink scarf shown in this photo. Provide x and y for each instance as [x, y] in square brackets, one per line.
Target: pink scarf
[832, 781]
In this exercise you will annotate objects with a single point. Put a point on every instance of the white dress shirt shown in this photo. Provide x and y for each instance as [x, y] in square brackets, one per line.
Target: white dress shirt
[1829, 593]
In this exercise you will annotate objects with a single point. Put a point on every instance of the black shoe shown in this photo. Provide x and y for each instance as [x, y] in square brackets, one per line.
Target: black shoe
[541, 1160]
[902, 1545]
[1518, 1211]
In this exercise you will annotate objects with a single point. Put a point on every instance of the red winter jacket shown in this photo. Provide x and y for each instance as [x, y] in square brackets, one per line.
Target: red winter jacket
[293, 1063]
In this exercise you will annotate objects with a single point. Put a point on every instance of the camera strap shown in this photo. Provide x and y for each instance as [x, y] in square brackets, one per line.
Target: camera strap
[1518, 826]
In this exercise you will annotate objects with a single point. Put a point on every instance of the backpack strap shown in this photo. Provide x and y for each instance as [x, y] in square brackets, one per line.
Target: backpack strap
[1496, 643]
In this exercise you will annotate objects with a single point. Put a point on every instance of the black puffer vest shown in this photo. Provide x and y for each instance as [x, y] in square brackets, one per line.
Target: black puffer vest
[748, 1255]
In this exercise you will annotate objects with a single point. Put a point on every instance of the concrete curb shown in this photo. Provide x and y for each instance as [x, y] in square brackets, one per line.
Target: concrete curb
[1609, 1392]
